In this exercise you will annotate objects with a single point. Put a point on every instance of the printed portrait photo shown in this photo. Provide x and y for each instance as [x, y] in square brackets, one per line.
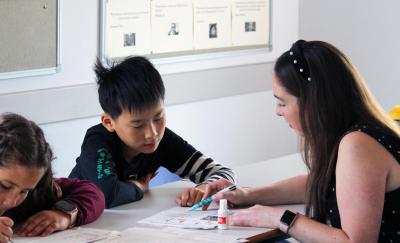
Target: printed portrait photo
[213, 33]
[250, 26]
[173, 29]
[129, 39]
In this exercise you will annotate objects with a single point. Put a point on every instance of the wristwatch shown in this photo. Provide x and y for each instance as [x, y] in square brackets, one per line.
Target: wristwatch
[67, 208]
[287, 220]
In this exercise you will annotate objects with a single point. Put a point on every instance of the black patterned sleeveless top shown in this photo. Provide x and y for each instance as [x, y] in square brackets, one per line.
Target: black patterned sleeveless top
[390, 225]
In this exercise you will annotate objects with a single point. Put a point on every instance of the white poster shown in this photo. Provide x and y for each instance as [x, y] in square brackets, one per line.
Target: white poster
[172, 25]
[212, 23]
[128, 29]
[250, 22]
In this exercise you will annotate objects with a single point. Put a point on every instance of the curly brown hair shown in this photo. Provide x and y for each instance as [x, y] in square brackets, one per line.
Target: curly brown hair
[22, 142]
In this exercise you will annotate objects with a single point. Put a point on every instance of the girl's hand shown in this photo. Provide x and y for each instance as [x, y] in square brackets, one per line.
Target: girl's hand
[5, 229]
[44, 223]
[257, 216]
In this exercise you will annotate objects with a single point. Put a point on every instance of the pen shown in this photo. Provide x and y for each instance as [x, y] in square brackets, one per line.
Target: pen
[211, 198]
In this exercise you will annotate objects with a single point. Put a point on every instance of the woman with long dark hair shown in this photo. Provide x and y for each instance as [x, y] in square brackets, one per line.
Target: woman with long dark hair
[349, 144]
[28, 193]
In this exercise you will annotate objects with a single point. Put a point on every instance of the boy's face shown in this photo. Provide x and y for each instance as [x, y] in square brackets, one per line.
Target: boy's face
[141, 132]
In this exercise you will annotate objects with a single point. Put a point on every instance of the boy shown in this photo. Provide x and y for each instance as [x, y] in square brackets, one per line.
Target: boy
[121, 154]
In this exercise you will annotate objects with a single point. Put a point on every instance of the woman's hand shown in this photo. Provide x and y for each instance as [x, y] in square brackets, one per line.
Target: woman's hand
[44, 223]
[257, 216]
[5, 229]
[238, 197]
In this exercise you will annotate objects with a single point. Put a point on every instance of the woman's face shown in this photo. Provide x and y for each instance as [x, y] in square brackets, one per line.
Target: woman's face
[287, 105]
[16, 181]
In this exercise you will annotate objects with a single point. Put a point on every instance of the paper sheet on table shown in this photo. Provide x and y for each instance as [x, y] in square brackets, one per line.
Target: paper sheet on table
[169, 234]
[76, 235]
[183, 218]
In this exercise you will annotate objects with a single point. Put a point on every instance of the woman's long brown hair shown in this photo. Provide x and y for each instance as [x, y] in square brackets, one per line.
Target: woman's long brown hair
[336, 99]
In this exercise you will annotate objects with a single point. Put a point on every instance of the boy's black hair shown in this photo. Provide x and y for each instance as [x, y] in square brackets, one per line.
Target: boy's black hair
[134, 85]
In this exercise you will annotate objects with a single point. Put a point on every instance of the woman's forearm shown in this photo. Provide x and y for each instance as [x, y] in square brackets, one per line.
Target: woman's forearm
[289, 191]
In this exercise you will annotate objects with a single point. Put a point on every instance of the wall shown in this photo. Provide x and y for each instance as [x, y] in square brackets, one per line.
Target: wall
[367, 31]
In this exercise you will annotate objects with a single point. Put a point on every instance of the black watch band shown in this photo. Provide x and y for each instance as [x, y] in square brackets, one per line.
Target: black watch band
[288, 219]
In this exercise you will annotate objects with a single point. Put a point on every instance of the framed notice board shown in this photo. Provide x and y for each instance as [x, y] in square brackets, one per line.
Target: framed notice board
[30, 37]
[178, 31]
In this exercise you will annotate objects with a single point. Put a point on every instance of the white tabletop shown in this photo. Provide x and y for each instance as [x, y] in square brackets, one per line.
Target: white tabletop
[163, 197]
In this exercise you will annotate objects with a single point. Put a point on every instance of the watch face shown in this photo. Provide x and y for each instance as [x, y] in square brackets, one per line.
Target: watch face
[65, 206]
[287, 217]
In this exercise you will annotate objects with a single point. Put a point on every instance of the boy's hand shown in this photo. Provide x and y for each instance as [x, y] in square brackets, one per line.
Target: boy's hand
[5, 229]
[190, 196]
[44, 223]
[143, 183]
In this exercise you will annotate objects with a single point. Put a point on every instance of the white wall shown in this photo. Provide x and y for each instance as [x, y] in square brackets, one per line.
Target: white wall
[368, 32]
[233, 130]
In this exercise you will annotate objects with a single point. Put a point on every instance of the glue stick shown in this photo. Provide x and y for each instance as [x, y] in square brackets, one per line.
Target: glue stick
[223, 214]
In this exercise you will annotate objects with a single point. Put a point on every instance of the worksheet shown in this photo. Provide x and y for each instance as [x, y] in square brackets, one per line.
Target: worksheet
[170, 234]
[183, 218]
[76, 235]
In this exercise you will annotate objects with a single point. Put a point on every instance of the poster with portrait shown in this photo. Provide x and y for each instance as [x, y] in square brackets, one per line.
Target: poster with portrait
[250, 22]
[127, 28]
[171, 25]
[212, 24]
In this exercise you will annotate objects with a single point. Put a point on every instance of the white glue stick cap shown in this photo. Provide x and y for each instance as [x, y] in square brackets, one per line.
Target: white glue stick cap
[223, 204]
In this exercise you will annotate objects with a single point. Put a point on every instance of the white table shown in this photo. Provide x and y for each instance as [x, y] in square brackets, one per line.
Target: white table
[163, 197]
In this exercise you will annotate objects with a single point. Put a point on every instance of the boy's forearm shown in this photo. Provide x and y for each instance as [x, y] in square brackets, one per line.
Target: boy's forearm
[122, 193]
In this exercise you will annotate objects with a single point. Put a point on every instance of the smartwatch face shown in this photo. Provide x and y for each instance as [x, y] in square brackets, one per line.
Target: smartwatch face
[65, 206]
[288, 217]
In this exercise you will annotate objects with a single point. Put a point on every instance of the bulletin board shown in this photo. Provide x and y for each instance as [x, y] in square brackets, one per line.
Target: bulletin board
[179, 30]
[29, 42]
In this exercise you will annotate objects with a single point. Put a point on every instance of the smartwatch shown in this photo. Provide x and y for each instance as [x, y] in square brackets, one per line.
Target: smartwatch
[287, 220]
[67, 208]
